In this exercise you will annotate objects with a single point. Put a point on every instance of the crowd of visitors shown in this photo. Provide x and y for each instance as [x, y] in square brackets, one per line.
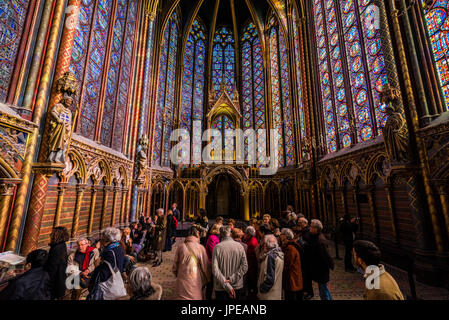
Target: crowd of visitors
[269, 259]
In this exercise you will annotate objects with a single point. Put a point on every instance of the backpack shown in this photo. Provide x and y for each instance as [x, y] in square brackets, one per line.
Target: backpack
[113, 288]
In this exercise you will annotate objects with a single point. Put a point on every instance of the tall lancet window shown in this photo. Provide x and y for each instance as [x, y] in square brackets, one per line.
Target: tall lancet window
[352, 71]
[12, 22]
[223, 61]
[102, 61]
[298, 68]
[437, 18]
[193, 84]
[166, 93]
[280, 93]
[253, 92]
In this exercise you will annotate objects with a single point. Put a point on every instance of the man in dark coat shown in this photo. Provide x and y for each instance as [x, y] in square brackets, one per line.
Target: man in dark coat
[34, 284]
[303, 239]
[56, 265]
[170, 231]
[160, 233]
[176, 212]
[348, 228]
[320, 261]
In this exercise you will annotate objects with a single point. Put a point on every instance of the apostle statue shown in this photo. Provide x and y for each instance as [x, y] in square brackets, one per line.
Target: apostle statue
[60, 129]
[142, 158]
[395, 131]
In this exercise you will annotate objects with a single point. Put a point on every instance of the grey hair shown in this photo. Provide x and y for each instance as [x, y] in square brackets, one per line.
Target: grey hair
[81, 239]
[140, 279]
[250, 231]
[315, 223]
[112, 234]
[159, 210]
[288, 233]
[304, 219]
[225, 231]
[292, 216]
[270, 241]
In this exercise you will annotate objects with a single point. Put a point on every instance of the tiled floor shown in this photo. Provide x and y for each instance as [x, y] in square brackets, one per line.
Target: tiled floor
[343, 285]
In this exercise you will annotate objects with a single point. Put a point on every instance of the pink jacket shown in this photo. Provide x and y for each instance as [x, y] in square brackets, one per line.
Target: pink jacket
[189, 284]
[212, 241]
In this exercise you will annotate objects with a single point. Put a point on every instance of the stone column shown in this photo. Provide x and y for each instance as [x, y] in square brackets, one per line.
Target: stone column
[104, 210]
[79, 201]
[92, 209]
[61, 191]
[36, 211]
[7, 187]
[392, 211]
[114, 205]
[441, 187]
[246, 216]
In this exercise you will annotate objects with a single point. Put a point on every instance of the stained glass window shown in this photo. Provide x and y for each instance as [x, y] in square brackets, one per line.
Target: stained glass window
[125, 77]
[253, 92]
[280, 94]
[352, 71]
[94, 72]
[223, 61]
[104, 45]
[12, 20]
[437, 18]
[166, 93]
[193, 82]
[298, 67]
[113, 74]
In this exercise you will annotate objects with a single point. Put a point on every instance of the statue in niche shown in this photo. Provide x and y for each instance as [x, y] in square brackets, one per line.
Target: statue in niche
[60, 129]
[142, 158]
[62, 119]
[395, 131]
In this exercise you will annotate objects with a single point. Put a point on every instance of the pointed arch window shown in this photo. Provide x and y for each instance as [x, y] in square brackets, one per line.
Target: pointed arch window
[104, 45]
[166, 93]
[193, 84]
[298, 69]
[223, 61]
[13, 15]
[253, 91]
[280, 93]
[352, 71]
[437, 19]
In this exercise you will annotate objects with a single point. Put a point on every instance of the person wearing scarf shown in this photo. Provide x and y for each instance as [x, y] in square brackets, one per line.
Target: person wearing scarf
[83, 259]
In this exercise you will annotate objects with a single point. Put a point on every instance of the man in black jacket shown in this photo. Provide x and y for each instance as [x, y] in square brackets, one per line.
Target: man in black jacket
[320, 261]
[348, 228]
[34, 284]
[304, 237]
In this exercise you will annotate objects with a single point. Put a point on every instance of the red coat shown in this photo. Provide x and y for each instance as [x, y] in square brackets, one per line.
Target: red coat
[292, 274]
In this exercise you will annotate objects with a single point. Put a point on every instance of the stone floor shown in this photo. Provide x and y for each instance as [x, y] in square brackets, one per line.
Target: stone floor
[343, 285]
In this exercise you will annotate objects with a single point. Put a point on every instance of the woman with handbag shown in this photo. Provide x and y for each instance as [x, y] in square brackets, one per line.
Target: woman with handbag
[191, 268]
[107, 282]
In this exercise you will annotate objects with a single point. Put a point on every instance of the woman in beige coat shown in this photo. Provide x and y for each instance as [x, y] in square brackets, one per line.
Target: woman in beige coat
[191, 268]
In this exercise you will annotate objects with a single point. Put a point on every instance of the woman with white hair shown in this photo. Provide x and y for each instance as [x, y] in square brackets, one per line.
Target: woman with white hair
[252, 243]
[112, 257]
[271, 268]
[141, 286]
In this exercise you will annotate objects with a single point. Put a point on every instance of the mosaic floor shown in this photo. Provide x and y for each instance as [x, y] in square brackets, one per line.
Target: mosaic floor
[343, 285]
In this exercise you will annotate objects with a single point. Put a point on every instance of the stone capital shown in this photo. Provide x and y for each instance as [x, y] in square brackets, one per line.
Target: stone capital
[7, 186]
